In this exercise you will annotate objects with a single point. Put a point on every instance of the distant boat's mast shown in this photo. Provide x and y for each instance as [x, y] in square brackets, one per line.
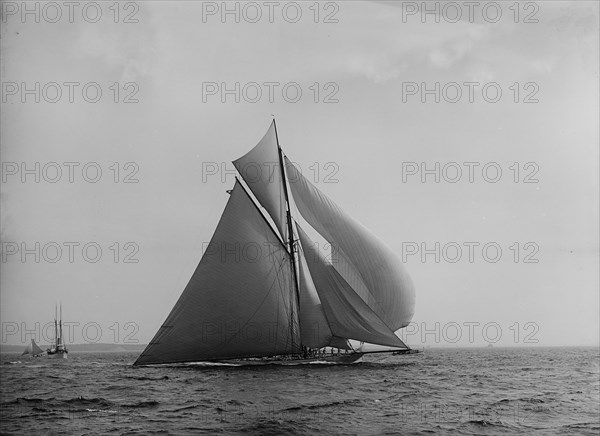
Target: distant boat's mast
[55, 326]
[60, 324]
[289, 219]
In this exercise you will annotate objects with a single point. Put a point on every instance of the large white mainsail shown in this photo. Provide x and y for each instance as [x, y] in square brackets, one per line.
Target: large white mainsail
[238, 302]
[371, 269]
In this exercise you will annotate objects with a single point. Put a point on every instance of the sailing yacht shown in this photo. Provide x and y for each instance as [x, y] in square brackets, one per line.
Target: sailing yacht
[58, 350]
[263, 293]
[33, 349]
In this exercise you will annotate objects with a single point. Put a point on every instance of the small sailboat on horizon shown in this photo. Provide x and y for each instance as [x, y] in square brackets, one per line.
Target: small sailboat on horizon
[58, 350]
[33, 349]
[263, 293]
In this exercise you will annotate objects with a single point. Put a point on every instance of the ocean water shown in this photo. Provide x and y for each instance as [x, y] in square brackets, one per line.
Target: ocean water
[459, 391]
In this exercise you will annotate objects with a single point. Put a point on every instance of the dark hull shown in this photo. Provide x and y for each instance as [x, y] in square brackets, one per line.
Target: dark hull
[339, 359]
[57, 354]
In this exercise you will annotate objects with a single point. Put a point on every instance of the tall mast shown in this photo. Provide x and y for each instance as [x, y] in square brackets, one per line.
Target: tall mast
[289, 217]
[60, 324]
[55, 325]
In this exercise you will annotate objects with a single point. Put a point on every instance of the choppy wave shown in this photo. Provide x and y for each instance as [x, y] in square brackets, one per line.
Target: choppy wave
[469, 391]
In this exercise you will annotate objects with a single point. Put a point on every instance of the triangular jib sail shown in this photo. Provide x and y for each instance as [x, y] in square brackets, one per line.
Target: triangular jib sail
[262, 289]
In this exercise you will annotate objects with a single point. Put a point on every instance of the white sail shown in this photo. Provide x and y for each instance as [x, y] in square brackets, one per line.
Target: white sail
[239, 301]
[261, 170]
[314, 328]
[28, 349]
[32, 348]
[347, 314]
[370, 268]
[258, 293]
[36, 350]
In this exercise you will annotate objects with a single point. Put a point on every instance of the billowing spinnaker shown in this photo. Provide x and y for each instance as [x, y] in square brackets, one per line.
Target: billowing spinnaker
[240, 301]
[347, 314]
[261, 170]
[364, 261]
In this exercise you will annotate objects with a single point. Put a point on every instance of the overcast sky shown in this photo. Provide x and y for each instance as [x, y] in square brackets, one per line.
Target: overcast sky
[369, 139]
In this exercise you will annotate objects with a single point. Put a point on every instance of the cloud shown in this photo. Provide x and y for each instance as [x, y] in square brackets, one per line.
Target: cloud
[460, 47]
[127, 49]
[378, 69]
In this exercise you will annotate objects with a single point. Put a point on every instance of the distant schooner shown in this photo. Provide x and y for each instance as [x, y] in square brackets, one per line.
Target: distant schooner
[58, 350]
[263, 293]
